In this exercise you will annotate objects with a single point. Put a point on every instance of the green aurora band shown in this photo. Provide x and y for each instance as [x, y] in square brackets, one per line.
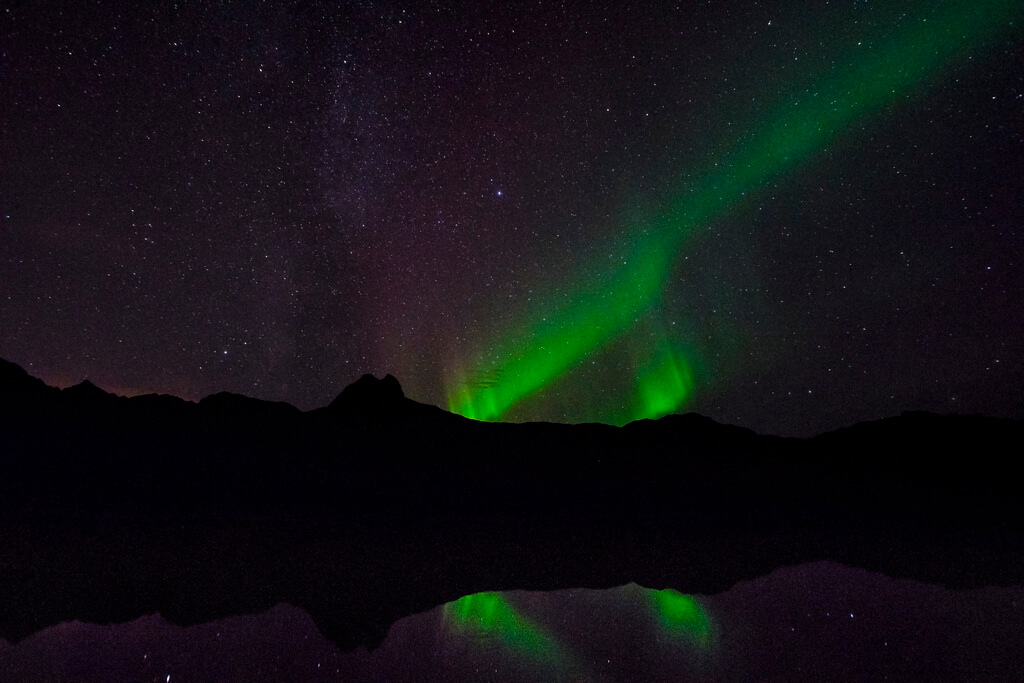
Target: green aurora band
[682, 616]
[491, 614]
[491, 617]
[796, 128]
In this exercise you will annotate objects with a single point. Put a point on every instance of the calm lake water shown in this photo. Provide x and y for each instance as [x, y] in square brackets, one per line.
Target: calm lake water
[812, 622]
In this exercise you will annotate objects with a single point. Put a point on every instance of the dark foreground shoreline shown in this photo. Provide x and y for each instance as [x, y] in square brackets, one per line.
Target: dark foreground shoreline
[378, 507]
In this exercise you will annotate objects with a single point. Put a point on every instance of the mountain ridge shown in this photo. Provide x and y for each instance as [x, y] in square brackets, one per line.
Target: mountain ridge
[376, 505]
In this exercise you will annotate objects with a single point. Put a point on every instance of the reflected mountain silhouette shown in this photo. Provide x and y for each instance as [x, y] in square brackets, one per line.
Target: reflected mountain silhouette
[376, 506]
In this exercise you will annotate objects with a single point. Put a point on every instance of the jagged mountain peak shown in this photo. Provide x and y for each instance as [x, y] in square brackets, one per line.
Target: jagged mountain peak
[85, 390]
[369, 392]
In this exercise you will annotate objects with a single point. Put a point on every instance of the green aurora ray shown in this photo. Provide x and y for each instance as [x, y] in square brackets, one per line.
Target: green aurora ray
[794, 129]
[681, 616]
[491, 614]
[491, 617]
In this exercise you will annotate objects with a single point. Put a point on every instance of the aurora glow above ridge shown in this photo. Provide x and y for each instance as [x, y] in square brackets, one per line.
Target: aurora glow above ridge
[785, 216]
[543, 642]
[617, 300]
[491, 614]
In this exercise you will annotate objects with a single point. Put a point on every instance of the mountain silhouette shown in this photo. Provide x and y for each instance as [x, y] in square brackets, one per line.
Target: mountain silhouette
[369, 394]
[377, 506]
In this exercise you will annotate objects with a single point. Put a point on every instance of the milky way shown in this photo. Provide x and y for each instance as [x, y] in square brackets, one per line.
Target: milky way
[787, 216]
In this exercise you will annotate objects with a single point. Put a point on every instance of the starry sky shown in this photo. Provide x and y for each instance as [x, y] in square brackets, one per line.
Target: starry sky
[790, 216]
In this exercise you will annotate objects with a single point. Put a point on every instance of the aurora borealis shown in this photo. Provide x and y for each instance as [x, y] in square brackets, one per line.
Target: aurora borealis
[491, 615]
[785, 216]
[482, 621]
[801, 124]
[809, 623]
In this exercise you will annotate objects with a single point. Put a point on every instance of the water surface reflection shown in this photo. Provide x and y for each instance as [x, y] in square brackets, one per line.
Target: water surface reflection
[812, 622]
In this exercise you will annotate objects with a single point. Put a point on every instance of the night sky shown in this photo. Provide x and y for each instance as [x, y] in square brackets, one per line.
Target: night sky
[790, 216]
